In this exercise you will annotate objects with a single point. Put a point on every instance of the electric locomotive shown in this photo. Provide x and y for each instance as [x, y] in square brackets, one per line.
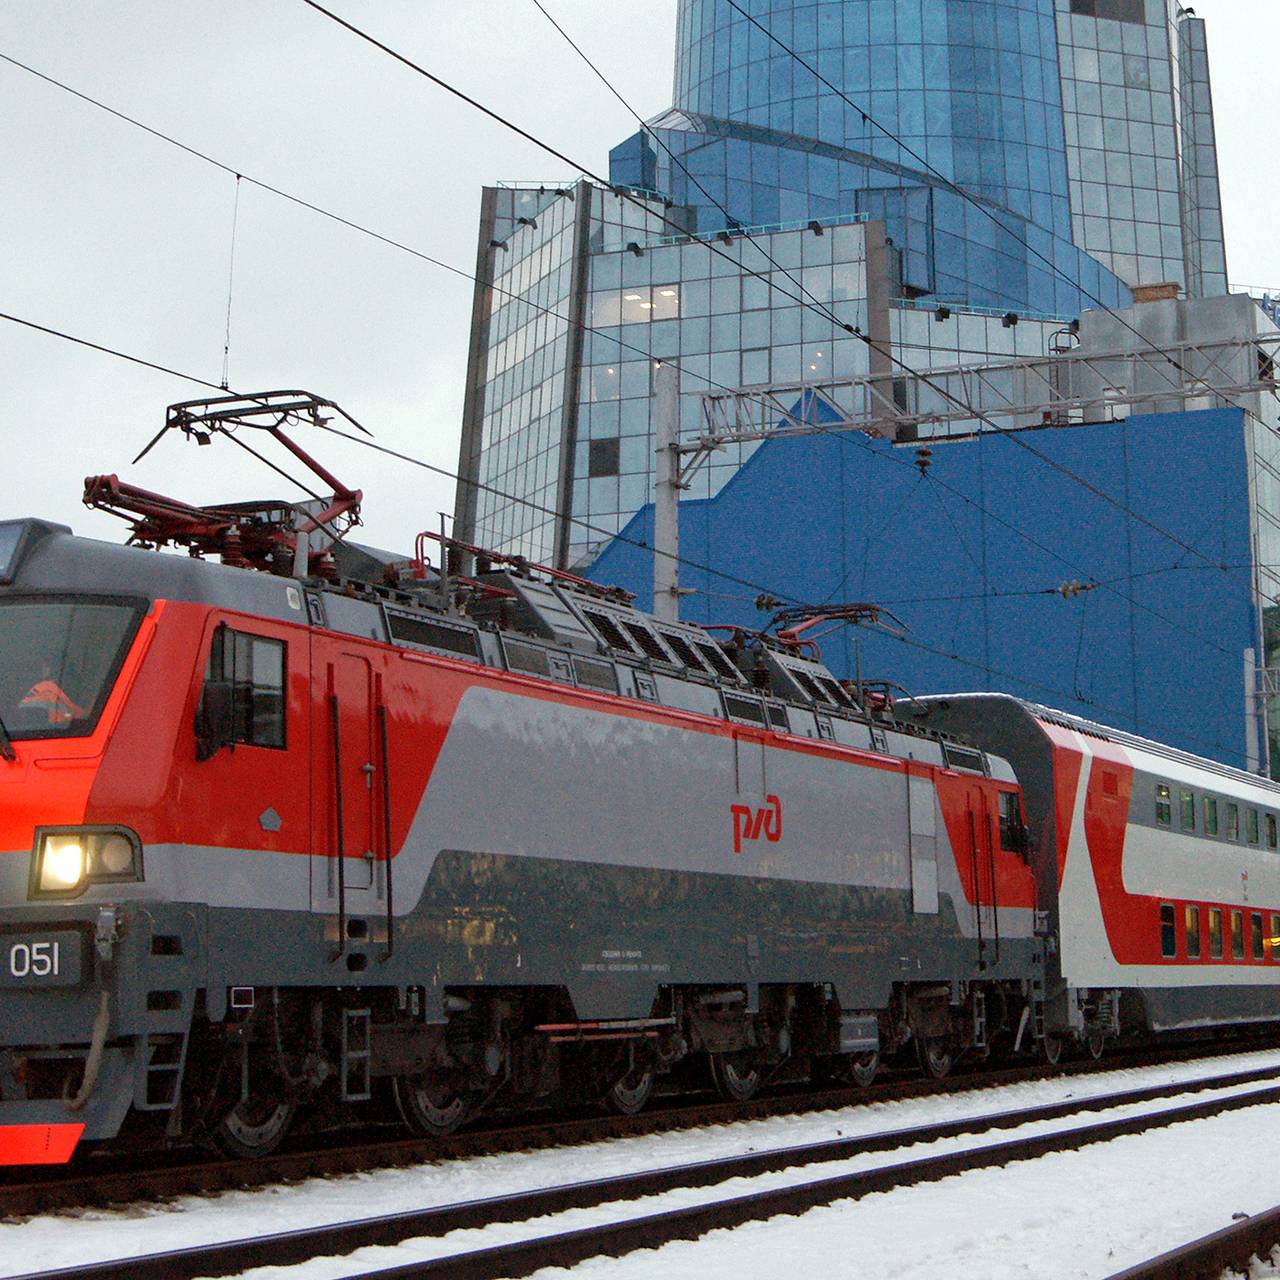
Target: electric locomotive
[317, 821]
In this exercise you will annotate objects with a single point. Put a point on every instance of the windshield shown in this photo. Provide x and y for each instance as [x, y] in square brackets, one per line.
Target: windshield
[58, 661]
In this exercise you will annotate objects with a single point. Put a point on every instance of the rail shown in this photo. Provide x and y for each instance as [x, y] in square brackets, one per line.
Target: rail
[565, 1249]
[1209, 1256]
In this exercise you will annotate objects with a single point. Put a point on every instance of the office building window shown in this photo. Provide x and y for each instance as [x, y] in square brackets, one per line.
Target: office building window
[602, 460]
[1119, 10]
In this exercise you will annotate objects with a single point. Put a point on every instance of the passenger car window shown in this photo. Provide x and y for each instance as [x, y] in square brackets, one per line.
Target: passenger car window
[1255, 934]
[1252, 825]
[1210, 816]
[254, 667]
[1188, 811]
[1168, 931]
[1215, 933]
[1274, 940]
[1164, 807]
[1271, 831]
[1191, 924]
[1233, 821]
[1237, 935]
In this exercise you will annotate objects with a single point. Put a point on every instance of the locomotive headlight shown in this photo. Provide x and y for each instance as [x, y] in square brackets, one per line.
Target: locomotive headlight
[69, 859]
[61, 863]
[114, 855]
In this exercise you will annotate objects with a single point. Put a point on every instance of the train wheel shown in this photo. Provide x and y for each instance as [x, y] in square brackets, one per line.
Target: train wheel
[1051, 1047]
[1096, 1043]
[429, 1110]
[254, 1126]
[628, 1095]
[734, 1076]
[845, 1068]
[863, 1068]
[936, 1058]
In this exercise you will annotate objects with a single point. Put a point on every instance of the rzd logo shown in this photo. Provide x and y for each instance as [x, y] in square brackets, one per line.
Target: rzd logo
[751, 824]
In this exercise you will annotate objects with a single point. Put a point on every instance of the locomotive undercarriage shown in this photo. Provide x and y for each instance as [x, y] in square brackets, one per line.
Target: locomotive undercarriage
[519, 1048]
[237, 1066]
[240, 1083]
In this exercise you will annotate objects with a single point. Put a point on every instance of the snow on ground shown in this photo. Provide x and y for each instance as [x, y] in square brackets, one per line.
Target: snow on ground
[1079, 1215]
[1097, 1210]
[1259, 1270]
[1069, 1216]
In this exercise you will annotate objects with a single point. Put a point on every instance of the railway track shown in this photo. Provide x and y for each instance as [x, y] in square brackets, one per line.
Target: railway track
[651, 1229]
[1209, 1256]
[164, 1174]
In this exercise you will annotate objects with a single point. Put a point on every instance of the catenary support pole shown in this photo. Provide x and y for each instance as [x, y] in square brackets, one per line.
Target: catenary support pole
[666, 497]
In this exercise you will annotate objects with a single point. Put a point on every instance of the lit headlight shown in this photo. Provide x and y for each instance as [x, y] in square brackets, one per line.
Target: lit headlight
[67, 860]
[61, 863]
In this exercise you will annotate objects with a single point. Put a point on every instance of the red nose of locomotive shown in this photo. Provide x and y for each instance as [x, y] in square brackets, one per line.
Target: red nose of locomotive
[65, 651]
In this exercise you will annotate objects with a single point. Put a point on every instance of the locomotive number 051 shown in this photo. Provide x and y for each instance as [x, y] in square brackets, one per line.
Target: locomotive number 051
[53, 959]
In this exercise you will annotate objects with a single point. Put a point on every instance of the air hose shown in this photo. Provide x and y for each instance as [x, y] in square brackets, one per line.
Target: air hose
[93, 1063]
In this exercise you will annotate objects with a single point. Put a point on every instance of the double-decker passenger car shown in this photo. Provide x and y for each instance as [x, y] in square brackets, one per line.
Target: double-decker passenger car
[1158, 871]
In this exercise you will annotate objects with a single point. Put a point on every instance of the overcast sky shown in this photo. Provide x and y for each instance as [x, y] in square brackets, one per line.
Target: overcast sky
[117, 237]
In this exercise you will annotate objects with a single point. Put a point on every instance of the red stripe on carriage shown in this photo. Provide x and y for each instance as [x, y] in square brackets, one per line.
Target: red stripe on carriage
[38, 1143]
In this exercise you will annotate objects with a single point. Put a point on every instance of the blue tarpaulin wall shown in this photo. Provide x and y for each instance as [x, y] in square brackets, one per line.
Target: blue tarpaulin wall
[970, 556]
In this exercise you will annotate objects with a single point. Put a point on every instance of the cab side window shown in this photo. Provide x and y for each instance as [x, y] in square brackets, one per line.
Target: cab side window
[1010, 822]
[253, 667]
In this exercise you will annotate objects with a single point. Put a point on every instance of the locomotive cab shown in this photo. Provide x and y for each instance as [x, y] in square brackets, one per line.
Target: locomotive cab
[132, 713]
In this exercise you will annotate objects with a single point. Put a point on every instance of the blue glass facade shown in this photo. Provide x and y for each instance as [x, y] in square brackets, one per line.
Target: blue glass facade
[1060, 126]
[1057, 119]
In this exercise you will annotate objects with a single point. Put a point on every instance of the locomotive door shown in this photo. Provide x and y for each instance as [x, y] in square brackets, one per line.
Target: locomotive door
[922, 840]
[349, 780]
[982, 872]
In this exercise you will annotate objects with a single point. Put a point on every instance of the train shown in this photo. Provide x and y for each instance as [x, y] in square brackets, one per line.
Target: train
[289, 822]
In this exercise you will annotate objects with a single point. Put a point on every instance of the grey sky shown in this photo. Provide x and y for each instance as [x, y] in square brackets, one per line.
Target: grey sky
[117, 237]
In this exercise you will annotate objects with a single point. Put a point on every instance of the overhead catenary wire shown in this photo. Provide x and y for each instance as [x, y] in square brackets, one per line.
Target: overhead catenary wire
[231, 281]
[743, 232]
[846, 439]
[746, 234]
[509, 497]
[352, 225]
[1096, 490]
[403, 457]
[753, 586]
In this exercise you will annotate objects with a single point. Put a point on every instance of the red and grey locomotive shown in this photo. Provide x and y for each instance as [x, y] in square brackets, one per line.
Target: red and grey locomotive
[318, 821]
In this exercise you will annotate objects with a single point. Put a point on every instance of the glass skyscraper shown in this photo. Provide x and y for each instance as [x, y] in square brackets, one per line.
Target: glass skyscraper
[917, 168]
